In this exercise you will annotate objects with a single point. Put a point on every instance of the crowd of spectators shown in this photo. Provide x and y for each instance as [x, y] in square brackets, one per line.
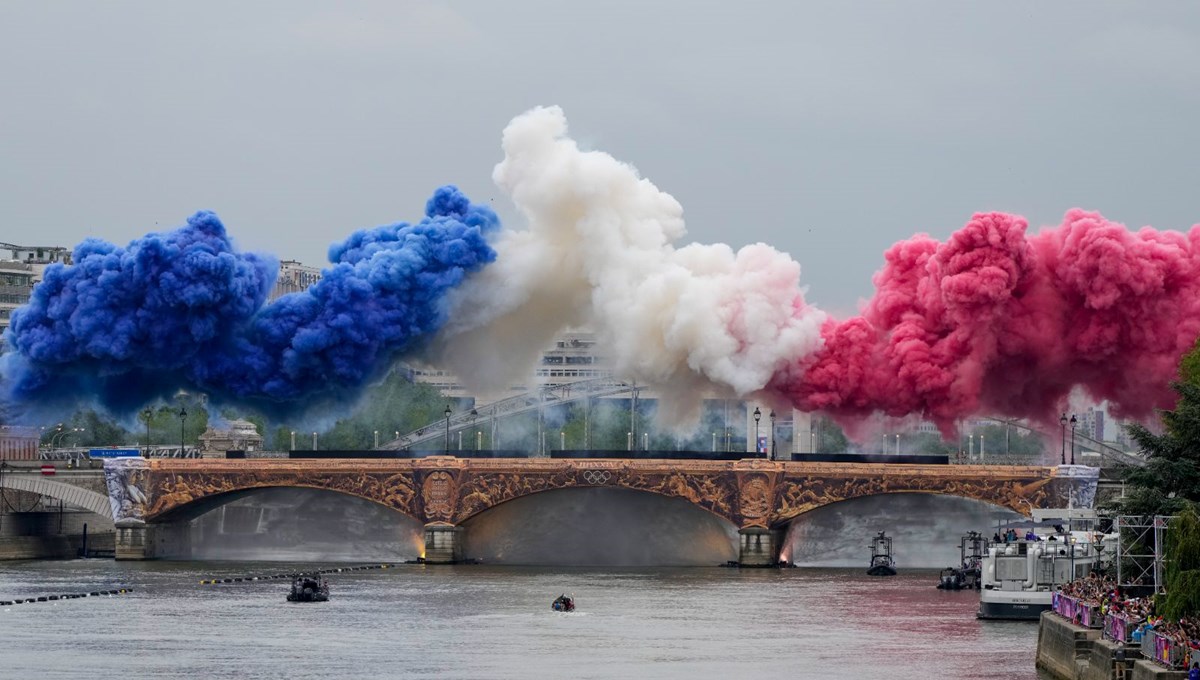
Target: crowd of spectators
[1103, 592]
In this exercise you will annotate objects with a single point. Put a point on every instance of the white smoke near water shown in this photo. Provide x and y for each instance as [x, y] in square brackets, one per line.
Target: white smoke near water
[599, 252]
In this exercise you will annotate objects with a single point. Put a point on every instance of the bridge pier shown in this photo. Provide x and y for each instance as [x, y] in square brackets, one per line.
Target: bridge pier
[443, 543]
[137, 540]
[130, 542]
[758, 547]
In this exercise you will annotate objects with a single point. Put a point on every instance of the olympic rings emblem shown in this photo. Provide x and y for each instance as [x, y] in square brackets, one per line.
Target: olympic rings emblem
[596, 477]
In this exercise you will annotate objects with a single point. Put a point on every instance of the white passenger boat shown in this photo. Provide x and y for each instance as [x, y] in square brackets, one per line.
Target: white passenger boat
[1020, 576]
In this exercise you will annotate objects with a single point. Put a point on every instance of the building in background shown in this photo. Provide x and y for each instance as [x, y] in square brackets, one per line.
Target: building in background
[19, 443]
[1091, 424]
[294, 277]
[236, 435]
[572, 357]
[21, 268]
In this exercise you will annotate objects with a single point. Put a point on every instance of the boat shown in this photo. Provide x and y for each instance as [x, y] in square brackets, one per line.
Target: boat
[563, 604]
[309, 589]
[972, 548]
[882, 563]
[1019, 576]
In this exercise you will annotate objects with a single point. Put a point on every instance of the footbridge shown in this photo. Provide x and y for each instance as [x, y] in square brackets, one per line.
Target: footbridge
[756, 496]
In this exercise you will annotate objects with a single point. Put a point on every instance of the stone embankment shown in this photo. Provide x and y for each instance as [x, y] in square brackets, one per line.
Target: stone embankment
[1071, 652]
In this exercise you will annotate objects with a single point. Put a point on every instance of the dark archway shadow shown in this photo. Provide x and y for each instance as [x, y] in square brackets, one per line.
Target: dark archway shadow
[599, 526]
[296, 523]
[925, 530]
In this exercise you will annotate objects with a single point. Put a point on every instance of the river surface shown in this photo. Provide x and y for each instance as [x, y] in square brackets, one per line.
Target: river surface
[478, 621]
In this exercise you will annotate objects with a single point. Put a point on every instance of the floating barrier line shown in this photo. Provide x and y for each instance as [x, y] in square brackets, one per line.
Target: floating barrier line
[67, 596]
[248, 579]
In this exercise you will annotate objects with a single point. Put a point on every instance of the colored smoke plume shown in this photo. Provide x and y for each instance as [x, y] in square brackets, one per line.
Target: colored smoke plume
[995, 322]
[599, 253]
[184, 309]
[992, 321]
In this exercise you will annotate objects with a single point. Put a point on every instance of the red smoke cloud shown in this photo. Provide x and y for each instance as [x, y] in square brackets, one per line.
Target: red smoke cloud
[993, 321]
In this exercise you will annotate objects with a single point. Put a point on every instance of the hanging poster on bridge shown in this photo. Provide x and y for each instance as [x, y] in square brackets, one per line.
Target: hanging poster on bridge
[113, 453]
[762, 444]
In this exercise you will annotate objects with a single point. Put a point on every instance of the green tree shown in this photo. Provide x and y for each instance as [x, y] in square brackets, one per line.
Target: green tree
[830, 437]
[1170, 480]
[1182, 598]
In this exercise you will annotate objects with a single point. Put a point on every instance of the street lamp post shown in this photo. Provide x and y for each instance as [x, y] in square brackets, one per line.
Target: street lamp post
[771, 453]
[314, 441]
[474, 415]
[757, 417]
[146, 414]
[1063, 421]
[897, 445]
[293, 440]
[447, 414]
[182, 426]
[1073, 421]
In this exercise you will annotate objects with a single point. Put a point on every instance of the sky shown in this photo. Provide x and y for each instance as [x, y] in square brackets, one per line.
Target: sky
[827, 130]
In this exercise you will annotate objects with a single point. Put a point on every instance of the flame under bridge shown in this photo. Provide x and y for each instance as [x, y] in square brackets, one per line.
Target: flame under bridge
[756, 496]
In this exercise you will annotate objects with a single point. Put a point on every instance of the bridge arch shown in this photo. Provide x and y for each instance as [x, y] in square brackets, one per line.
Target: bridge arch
[477, 503]
[69, 494]
[180, 505]
[599, 526]
[1019, 493]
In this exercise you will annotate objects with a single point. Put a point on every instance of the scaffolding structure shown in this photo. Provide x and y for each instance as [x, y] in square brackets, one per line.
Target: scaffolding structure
[1141, 545]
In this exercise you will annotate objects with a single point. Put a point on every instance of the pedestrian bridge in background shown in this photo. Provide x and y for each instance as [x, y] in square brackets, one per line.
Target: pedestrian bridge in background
[757, 496]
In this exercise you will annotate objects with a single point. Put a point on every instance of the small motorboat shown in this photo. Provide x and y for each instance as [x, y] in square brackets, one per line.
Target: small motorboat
[309, 589]
[972, 548]
[881, 557]
[563, 604]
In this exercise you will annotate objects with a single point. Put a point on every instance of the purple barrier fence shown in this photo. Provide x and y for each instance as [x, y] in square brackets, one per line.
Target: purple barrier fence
[1120, 628]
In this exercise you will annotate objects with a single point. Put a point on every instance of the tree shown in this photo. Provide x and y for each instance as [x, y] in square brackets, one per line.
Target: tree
[1182, 598]
[1170, 480]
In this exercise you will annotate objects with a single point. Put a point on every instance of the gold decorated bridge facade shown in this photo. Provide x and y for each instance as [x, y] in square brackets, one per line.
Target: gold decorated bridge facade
[443, 492]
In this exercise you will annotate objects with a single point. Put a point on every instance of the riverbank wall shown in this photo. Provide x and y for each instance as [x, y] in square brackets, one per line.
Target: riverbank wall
[56, 534]
[1070, 652]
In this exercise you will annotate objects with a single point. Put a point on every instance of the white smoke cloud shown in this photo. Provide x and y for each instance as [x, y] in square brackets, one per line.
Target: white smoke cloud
[597, 252]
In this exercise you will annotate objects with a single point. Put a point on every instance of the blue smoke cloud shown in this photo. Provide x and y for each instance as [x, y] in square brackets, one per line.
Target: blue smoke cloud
[185, 310]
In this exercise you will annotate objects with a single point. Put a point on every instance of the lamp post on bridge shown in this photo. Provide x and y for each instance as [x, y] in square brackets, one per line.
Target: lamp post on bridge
[314, 441]
[771, 452]
[1063, 421]
[146, 415]
[293, 440]
[1073, 421]
[182, 427]
[757, 417]
[447, 414]
[897, 445]
[376, 438]
[474, 415]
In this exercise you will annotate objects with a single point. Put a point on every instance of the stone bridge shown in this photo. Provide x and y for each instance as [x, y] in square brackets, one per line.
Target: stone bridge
[84, 489]
[758, 497]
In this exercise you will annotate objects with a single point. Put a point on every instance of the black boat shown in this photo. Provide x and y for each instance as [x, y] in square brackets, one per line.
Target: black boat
[881, 557]
[972, 548]
[309, 589]
[563, 604]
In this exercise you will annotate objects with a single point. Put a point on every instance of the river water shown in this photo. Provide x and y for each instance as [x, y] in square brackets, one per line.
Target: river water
[495, 622]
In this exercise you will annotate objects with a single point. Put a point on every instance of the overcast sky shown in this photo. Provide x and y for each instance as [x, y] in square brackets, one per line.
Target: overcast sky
[827, 130]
